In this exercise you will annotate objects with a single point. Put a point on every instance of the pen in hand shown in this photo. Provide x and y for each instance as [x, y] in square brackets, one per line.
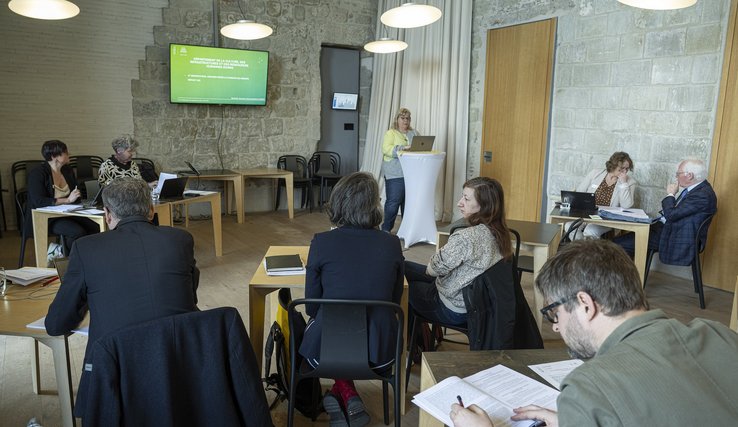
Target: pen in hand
[461, 402]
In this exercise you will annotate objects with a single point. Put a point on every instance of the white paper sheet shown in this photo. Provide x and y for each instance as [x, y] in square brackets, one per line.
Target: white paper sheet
[555, 372]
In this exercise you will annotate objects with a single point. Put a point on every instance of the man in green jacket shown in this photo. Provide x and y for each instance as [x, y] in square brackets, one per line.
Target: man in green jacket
[645, 369]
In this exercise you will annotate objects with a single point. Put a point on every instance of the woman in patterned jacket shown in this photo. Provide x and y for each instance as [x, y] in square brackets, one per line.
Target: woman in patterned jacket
[120, 164]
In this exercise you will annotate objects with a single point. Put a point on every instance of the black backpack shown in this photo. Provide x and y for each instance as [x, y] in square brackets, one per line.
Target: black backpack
[308, 392]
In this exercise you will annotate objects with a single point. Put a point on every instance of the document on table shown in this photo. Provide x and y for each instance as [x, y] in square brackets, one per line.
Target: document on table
[39, 324]
[60, 208]
[91, 211]
[497, 390]
[197, 192]
[27, 275]
[163, 176]
[555, 372]
[622, 214]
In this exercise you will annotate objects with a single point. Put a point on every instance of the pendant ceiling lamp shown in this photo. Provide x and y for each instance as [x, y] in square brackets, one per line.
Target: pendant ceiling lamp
[385, 45]
[659, 4]
[411, 15]
[44, 9]
[246, 29]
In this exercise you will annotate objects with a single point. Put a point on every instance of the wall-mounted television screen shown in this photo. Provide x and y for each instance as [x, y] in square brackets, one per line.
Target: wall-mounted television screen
[345, 101]
[213, 75]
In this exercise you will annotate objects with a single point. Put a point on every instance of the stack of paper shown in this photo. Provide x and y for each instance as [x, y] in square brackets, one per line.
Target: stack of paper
[60, 208]
[621, 214]
[283, 265]
[27, 275]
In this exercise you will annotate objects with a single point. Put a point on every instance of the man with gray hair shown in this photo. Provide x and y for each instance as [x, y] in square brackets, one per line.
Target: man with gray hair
[674, 233]
[644, 369]
[133, 273]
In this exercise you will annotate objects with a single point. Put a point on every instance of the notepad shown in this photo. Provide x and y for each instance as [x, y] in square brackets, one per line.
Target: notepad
[283, 265]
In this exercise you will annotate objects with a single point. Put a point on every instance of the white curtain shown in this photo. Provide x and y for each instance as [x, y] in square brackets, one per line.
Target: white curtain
[431, 79]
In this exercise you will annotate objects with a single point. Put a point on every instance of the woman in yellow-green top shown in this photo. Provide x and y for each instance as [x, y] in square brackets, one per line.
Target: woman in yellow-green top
[398, 138]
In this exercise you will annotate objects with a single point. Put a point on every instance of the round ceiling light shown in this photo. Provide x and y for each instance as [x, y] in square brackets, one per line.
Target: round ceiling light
[385, 45]
[411, 15]
[44, 9]
[246, 30]
[659, 4]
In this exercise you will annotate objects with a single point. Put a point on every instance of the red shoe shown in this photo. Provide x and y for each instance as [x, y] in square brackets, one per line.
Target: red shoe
[355, 409]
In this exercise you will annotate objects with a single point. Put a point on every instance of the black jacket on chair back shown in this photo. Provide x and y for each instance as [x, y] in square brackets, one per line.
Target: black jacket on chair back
[498, 316]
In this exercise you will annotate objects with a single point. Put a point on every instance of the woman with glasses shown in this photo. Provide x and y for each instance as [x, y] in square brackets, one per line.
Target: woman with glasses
[121, 163]
[396, 139]
[611, 186]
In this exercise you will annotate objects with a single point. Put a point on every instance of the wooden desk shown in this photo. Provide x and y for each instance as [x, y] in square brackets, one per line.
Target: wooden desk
[274, 173]
[16, 311]
[262, 285]
[641, 231]
[41, 230]
[439, 365]
[541, 240]
[226, 176]
[162, 208]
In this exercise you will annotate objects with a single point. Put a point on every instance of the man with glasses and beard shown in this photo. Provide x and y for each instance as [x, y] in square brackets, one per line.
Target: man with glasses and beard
[644, 369]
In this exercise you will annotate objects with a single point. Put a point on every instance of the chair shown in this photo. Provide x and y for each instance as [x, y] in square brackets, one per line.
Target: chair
[700, 242]
[525, 262]
[498, 315]
[2, 205]
[194, 368]
[344, 352]
[85, 168]
[298, 165]
[19, 171]
[325, 170]
[147, 168]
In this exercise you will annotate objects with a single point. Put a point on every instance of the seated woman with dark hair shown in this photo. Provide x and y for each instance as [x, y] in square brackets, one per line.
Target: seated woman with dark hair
[353, 261]
[435, 290]
[53, 183]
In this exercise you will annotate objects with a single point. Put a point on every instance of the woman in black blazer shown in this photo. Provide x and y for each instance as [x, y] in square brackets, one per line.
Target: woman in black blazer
[53, 183]
[355, 260]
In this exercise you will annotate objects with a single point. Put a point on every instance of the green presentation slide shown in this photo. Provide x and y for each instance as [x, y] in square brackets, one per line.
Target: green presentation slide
[210, 75]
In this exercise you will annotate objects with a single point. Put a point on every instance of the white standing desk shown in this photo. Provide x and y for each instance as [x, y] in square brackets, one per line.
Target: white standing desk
[418, 216]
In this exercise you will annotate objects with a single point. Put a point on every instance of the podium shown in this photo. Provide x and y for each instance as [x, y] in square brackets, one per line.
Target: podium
[418, 218]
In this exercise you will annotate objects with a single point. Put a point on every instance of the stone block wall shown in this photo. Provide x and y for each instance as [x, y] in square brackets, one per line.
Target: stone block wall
[625, 79]
[247, 136]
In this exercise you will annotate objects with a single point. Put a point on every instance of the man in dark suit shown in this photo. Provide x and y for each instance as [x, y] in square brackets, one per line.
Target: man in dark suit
[674, 233]
[132, 274]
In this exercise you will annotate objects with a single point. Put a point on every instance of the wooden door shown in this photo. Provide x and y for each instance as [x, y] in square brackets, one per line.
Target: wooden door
[720, 268]
[517, 100]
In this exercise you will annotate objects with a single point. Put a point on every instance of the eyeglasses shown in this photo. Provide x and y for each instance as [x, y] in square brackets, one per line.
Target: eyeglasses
[548, 311]
[680, 173]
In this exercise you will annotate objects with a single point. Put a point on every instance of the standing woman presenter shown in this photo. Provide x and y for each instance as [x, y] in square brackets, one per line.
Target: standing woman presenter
[398, 138]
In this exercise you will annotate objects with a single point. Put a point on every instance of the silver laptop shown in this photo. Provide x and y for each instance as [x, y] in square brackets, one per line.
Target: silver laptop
[422, 143]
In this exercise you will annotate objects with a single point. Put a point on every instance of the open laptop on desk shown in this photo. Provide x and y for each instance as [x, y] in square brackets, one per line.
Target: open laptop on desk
[422, 143]
[580, 204]
[95, 202]
[173, 188]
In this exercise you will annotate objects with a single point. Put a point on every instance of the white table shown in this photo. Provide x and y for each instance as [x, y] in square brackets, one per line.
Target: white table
[418, 217]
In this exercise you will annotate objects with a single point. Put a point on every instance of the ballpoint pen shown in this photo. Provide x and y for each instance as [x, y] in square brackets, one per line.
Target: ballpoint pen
[47, 281]
[461, 402]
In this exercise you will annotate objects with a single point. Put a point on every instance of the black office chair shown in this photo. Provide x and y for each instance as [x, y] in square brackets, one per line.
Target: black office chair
[21, 200]
[147, 168]
[301, 179]
[700, 242]
[325, 170]
[525, 262]
[2, 205]
[19, 172]
[85, 169]
[344, 352]
[195, 369]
